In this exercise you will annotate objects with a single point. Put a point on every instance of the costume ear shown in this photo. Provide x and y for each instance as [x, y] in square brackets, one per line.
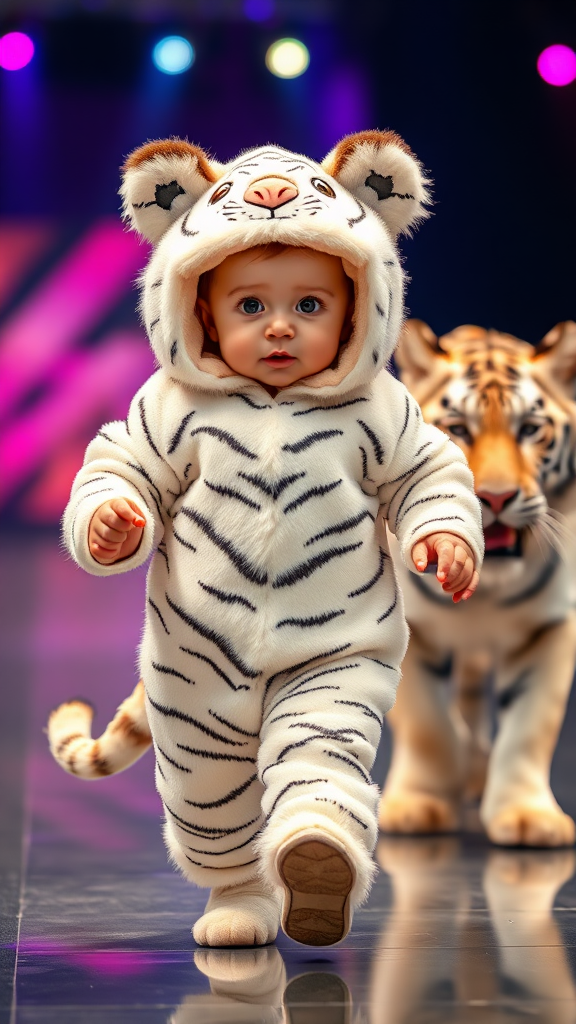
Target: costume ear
[161, 180]
[556, 355]
[418, 355]
[380, 170]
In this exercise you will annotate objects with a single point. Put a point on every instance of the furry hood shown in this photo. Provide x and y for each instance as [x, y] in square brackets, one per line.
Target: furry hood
[369, 189]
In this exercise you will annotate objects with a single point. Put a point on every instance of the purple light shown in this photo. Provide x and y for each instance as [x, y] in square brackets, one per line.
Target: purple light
[557, 65]
[16, 51]
[258, 10]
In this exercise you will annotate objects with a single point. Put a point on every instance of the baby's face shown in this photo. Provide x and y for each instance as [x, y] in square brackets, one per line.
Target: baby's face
[278, 319]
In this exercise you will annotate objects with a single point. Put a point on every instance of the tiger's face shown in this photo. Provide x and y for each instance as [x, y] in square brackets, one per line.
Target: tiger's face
[509, 408]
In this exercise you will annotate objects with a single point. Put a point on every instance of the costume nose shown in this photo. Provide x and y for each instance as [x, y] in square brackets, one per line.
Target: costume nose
[496, 501]
[270, 192]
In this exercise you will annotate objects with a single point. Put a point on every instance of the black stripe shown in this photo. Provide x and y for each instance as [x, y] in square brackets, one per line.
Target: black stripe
[357, 704]
[203, 830]
[221, 642]
[240, 561]
[406, 418]
[172, 672]
[324, 672]
[288, 714]
[230, 725]
[364, 463]
[145, 428]
[388, 610]
[410, 489]
[182, 541]
[245, 398]
[539, 583]
[101, 490]
[175, 713]
[346, 524]
[173, 351]
[371, 582]
[171, 761]
[218, 671]
[220, 595]
[153, 324]
[378, 449]
[93, 480]
[314, 492]
[159, 767]
[228, 492]
[228, 798]
[164, 555]
[515, 689]
[302, 664]
[213, 867]
[305, 569]
[310, 439]
[156, 284]
[323, 732]
[159, 614]
[393, 668]
[409, 472]
[325, 800]
[303, 693]
[142, 471]
[424, 501]
[315, 620]
[327, 408]
[213, 756]
[226, 438]
[352, 763]
[436, 519]
[177, 437]
[272, 488]
[222, 853]
[289, 786]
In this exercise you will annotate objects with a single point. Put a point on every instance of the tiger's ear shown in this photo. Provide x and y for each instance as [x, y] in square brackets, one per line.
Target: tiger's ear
[556, 355]
[418, 355]
[380, 170]
[161, 180]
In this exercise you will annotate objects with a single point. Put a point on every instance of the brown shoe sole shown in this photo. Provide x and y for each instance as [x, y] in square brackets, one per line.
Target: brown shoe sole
[318, 877]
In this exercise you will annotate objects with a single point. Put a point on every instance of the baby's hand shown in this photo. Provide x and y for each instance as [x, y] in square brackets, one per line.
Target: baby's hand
[456, 570]
[115, 530]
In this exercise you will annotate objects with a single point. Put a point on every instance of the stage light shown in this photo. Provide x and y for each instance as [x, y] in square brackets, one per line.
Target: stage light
[557, 65]
[287, 58]
[258, 10]
[16, 51]
[173, 55]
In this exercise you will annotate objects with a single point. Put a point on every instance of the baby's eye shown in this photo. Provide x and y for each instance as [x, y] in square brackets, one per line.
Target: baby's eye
[308, 305]
[251, 306]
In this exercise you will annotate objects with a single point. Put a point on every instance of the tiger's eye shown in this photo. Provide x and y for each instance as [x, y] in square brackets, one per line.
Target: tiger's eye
[322, 186]
[220, 192]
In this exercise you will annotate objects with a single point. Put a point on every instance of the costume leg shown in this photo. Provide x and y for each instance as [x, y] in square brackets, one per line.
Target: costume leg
[319, 738]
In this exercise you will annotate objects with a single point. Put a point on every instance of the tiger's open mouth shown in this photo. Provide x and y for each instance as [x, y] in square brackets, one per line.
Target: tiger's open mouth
[502, 541]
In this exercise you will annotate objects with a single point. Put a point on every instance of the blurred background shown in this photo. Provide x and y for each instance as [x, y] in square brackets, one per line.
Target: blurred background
[83, 82]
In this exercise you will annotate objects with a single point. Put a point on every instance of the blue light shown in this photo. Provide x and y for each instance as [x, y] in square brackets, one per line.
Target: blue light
[258, 10]
[173, 55]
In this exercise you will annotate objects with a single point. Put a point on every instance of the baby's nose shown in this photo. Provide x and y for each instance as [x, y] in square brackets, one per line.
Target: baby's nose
[270, 192]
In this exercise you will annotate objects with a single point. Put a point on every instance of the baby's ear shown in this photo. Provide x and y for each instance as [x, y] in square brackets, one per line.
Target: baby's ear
[380, 170]
[160, 181]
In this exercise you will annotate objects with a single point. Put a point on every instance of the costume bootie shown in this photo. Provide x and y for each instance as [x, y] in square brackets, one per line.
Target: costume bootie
[247, 914]
[318, 876]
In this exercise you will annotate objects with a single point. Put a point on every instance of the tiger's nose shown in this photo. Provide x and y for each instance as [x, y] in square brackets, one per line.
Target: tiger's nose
[270, 192]
[496, 501]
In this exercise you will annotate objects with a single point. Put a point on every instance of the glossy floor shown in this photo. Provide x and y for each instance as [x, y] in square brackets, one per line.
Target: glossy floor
[95, 926]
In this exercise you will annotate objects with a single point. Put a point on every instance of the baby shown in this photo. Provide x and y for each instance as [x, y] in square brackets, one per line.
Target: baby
[260, 464]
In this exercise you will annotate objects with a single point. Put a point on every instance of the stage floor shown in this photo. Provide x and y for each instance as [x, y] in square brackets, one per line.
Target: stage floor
[95, 926]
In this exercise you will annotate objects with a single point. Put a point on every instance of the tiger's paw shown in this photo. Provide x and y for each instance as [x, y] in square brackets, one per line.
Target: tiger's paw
[527, 825]
[417, 813]
[239, 915]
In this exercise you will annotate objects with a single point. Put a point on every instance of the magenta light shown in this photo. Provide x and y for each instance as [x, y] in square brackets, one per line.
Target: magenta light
[16, 51]
[557, 65]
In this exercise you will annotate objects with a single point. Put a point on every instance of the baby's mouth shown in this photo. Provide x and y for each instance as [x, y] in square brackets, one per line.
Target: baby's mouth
[279, 358]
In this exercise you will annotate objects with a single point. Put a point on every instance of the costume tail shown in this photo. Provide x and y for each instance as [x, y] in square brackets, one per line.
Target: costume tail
[125, 739]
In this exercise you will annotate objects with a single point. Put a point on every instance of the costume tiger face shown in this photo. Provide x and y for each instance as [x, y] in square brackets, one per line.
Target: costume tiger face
[510, 408]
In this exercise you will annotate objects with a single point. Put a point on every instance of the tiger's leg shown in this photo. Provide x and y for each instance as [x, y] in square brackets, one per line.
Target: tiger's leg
[424, 786]
[319, 739]
[471, 678]
[532, 688]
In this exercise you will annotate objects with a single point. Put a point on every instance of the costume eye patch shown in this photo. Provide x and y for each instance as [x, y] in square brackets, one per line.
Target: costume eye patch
[322, 186]
[220, 192]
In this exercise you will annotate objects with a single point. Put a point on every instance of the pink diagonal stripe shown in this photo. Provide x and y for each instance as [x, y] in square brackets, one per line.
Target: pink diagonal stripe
[76, 295]
[88, 383]
[21, 244]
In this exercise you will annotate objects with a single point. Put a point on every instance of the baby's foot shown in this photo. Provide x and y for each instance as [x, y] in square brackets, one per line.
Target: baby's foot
[239, 915]
[318, 877]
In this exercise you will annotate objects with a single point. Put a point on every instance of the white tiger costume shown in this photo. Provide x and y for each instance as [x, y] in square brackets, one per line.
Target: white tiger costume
[275, 628]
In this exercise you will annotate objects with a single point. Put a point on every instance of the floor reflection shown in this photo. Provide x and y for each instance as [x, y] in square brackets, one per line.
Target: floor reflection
[471, 946]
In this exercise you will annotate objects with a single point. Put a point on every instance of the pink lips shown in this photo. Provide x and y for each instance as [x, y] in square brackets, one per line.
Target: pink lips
[279, 358]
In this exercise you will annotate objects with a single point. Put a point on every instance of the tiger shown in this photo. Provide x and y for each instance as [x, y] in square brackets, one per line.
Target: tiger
[510, 407]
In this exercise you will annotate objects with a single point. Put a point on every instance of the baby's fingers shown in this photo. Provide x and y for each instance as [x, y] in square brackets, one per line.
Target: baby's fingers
[463, 595]
[445, 549]
[122, 514]
[420, 555]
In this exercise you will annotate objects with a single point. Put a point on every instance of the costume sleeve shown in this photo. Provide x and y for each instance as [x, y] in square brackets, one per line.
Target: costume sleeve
[131, 459]
[428, 487]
